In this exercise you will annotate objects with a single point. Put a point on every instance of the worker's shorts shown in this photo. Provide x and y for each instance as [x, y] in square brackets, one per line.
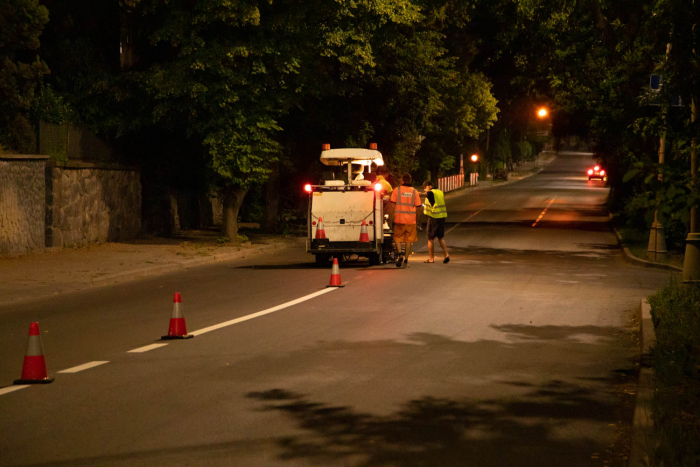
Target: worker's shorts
[405, 233]
[436, 228]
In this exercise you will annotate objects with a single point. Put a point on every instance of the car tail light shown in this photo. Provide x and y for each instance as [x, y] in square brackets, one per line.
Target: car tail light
[597, 168]
[378, 187]
[602, 172]
[307, 188]
[590, 171]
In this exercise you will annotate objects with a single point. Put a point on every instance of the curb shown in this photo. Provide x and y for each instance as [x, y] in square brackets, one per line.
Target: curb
[157, 270]
[643, 424]
[630, 258]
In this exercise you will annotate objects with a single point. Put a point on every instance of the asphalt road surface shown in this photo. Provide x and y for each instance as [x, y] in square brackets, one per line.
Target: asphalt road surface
[515, 353]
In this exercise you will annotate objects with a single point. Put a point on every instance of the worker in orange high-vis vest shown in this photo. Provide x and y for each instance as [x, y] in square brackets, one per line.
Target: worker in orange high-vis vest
[407, 201]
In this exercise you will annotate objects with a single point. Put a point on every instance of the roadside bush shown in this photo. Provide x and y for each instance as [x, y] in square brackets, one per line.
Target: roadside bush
[636, 209]
[675, 311]
[20, 135]
[676, 232]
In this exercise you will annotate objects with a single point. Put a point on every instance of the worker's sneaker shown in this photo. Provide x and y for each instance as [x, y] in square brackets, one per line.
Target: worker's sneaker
[399, 260]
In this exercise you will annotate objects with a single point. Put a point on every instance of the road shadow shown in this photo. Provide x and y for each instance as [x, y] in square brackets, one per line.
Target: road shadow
[540, 422]
[432, 431]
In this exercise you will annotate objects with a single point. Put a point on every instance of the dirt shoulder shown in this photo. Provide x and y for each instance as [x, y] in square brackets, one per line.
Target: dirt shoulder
[66, 270]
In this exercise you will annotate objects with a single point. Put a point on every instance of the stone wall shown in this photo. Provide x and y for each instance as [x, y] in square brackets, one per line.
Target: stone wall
[86, 203]
[22, 193]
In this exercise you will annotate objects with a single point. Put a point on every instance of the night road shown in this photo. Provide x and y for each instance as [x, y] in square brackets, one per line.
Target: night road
[515, 353]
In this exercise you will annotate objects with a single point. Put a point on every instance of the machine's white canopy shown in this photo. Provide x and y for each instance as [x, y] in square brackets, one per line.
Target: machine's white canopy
[357, 156]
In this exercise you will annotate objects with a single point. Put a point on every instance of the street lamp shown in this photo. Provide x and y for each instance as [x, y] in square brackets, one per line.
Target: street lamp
[542, 112]
[475, 157]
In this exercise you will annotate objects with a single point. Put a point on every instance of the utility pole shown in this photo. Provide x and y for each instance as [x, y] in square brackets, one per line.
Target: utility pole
[691, 260]
[656, 249]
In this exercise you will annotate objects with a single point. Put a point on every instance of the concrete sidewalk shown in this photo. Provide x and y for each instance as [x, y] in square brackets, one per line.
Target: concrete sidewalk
[67, 270]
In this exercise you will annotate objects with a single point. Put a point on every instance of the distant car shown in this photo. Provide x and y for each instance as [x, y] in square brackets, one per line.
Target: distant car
[597, 172]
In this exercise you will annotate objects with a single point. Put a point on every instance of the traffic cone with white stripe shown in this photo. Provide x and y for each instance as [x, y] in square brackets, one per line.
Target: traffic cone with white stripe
[34, 368]
[364, 236]
[177, 328]
[335, 275]
[320, 231]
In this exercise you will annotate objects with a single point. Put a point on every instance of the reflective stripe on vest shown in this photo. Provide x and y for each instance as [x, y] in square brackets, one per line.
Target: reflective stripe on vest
[438, 210]
[405, 212]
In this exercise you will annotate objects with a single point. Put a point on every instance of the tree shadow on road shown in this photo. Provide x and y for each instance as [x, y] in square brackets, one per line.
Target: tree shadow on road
[445, 432]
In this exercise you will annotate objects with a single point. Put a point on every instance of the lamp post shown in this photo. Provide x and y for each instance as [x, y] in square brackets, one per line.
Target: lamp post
[656, 248]
[691, 260]
[542, 113]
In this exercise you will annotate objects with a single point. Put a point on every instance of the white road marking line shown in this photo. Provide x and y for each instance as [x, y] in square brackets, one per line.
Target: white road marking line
[543, 212]
[10, 389]
[264, 312]
[146, 348]
[477, 212]
[82, 367]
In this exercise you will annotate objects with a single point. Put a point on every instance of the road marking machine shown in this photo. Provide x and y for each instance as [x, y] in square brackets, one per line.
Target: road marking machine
[346, 212]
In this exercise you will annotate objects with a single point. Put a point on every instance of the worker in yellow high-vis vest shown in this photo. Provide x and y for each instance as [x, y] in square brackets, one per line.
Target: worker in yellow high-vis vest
[436, 210]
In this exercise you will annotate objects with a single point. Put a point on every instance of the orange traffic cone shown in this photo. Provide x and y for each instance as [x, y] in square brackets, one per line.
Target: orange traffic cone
[177, 328]
[320, 231]
[335, 275]
[364, 236]
[34, 368]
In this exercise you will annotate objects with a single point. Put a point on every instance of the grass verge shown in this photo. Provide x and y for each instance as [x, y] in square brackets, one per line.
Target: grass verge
[675, 310]
[638, 242]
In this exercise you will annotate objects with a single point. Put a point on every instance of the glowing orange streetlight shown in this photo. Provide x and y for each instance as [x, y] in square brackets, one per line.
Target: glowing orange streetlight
[542, 112]
[475, 157]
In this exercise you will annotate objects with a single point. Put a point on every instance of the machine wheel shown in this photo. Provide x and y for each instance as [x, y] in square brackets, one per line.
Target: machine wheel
[322, 260]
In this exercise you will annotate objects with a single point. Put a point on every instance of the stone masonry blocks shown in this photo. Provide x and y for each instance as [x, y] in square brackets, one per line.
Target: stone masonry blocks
[93, 205]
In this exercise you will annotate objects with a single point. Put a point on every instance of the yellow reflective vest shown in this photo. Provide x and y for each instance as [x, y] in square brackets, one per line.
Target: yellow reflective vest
[437, 210]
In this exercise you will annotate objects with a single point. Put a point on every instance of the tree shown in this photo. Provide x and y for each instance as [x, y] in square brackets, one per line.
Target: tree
[21, 69]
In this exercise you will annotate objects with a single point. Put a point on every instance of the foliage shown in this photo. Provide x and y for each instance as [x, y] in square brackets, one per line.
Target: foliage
[523, 151]
[636, 211]
[21, 23]
[50, 107]
[675, 311]
[500, 153]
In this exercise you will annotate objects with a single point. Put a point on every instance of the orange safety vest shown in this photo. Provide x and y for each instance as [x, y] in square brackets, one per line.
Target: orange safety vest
[405, 212]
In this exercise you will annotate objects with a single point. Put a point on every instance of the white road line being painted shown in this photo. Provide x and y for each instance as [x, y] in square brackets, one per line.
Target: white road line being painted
[477, 212]
[543, 212]
[147, 348]
[85, 366]
[261, 313]
[10, 389]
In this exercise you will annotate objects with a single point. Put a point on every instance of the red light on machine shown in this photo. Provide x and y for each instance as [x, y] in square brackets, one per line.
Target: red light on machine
[313, 223]
[597, 168]
[590, 171]
[326, 147]
[371, 222]
[373, 146]
[307, 188]
[378, 187]
[602, 172]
